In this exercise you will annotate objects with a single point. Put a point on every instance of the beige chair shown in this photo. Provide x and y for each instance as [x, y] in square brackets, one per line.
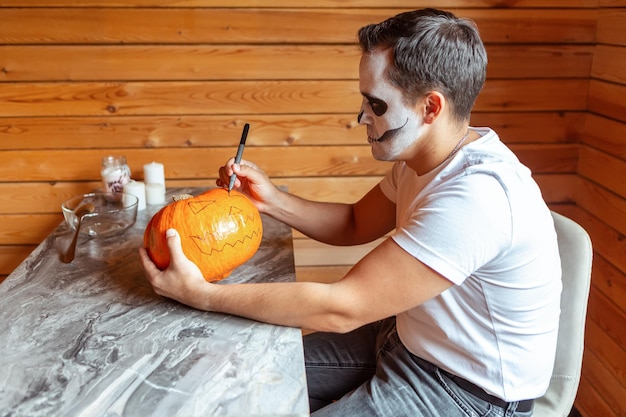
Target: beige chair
[576, 255]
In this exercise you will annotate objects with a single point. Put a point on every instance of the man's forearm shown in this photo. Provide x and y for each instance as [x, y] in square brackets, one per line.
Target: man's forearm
[300, 304]
[330, 223]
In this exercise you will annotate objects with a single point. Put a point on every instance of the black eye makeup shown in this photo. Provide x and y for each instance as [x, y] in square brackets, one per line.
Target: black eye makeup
[379, 107]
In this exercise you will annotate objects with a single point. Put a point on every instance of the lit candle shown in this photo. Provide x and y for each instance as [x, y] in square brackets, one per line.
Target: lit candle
[155, 193]
[138, 189]
[153, 173]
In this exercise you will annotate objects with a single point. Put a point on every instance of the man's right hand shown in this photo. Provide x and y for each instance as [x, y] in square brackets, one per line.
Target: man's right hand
[251, 180]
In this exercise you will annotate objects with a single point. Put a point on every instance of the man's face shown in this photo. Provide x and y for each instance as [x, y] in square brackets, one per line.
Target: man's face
[392, 126]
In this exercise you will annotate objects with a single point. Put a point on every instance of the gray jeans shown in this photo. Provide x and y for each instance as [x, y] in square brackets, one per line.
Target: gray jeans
[368, 372]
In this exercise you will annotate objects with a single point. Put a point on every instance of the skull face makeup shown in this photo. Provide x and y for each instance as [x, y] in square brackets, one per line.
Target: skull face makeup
[392, 126]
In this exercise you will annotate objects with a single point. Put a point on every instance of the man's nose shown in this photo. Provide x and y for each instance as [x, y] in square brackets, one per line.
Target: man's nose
[363, 118]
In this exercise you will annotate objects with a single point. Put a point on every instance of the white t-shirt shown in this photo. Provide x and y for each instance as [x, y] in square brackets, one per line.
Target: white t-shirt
[480, 221]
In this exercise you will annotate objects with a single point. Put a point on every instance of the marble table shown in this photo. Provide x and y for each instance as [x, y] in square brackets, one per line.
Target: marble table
[91, 338]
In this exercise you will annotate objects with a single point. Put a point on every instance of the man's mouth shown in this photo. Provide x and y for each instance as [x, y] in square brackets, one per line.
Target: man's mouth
[387, 135]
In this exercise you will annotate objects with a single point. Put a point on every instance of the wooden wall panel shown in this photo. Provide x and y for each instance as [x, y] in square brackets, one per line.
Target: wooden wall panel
[262, 26]
[609, 64]
[259, 97]
[313, 161]
[194, 62]
[11, 256]
[589, 401]
[607, 242]
[611, 319]
[606, 135]
[609, 280]
[267, 62]
[312, 3]
[603, 169]
[611, 26]
[612, 3]
[601, 199]
[609, 352]
[604, 382]
[603, 203]
[607, 99]
[199, 131]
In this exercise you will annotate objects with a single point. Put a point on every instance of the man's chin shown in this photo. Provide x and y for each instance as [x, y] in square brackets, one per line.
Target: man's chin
[379, 153]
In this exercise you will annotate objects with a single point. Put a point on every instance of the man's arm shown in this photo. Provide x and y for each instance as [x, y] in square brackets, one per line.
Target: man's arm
[385, 282]
[333, 223]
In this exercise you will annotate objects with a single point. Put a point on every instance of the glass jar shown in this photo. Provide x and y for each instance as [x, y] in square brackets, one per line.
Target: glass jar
[115, 173]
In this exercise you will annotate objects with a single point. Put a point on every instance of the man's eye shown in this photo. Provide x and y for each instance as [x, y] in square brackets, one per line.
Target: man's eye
[378, 107]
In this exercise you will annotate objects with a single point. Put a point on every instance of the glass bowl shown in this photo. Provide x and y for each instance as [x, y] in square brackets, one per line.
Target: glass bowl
[113, 213]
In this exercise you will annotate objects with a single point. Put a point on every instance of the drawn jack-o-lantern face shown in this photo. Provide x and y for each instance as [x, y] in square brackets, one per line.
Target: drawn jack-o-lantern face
[219, 232]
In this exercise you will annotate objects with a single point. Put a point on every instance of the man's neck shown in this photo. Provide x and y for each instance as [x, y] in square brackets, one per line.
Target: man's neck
[439, 146]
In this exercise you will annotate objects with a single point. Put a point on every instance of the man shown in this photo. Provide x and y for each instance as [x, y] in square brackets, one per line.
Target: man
[456, 313]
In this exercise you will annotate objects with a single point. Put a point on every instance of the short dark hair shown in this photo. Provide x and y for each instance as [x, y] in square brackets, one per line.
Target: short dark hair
[433, 50]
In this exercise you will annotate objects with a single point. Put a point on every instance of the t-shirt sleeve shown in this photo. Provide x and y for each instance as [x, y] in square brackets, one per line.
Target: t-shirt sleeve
[459, 226]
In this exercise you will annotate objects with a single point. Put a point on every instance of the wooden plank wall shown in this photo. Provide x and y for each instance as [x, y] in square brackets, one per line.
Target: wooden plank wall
[175, 80]
[601, 209]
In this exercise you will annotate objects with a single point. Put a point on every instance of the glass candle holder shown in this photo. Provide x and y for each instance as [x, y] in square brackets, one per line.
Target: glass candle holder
[115, 173]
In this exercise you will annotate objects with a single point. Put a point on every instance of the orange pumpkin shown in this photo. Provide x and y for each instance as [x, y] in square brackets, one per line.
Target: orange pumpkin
[219, 231]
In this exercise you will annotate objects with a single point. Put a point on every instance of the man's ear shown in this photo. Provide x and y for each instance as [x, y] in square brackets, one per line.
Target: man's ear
[434, 104]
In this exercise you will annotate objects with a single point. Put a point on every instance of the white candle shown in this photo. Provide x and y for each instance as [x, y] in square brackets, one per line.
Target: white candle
[155, 193]
[138, 189]
[153, 173]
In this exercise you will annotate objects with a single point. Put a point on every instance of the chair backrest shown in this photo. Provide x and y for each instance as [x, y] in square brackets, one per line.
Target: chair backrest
[576, 256]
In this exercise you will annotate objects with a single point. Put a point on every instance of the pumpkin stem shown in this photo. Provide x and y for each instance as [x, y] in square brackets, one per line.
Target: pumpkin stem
[180, 197]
